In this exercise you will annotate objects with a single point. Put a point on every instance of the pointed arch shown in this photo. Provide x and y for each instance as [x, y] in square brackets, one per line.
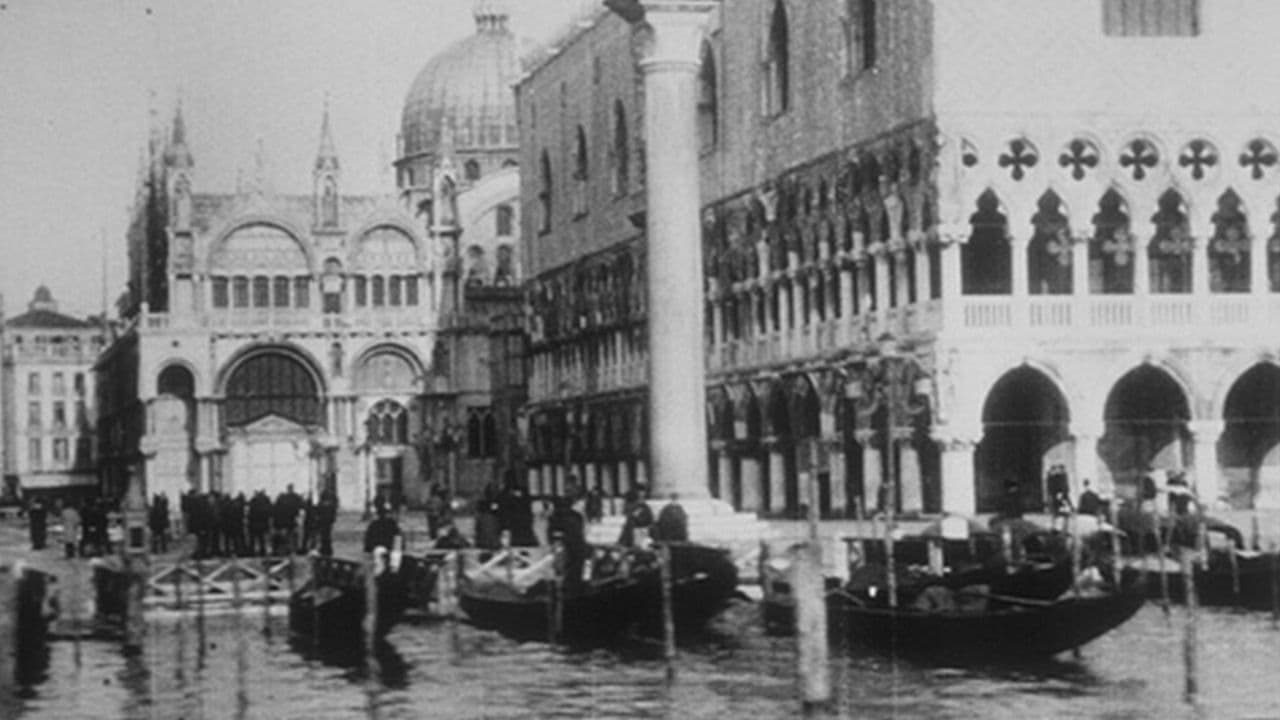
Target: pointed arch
[986, 259]
[1171, 250]
[1230, 248]
[1049, 252]
[1111, 247]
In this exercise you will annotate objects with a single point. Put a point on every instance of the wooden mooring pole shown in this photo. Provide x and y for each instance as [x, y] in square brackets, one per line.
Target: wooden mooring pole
[668, 616]
[371, 604]
[808, 588]
[1191, 685]
[1275, 585]
[8, 632]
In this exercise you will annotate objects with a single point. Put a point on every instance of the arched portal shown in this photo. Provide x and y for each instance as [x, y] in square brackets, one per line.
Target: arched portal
[1249, 449]
[173, 469]
[1146, 427]
[271, 410]
[1024, 430]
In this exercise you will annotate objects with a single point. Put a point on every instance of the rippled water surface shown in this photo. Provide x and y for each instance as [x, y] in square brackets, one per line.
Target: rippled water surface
[454, 671]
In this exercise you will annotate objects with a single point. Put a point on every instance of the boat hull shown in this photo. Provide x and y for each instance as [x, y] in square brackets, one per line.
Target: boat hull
[1007, 632]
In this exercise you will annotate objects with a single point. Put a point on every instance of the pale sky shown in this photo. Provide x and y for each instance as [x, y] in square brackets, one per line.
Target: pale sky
[76, 77]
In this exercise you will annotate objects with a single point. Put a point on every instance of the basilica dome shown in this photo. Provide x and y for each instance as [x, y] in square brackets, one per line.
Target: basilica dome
[467, 89]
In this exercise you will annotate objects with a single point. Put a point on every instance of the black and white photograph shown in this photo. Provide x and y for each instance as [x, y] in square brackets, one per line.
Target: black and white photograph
[639, 359]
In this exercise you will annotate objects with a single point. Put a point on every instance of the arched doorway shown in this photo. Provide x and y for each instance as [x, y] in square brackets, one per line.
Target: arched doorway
[1024, 430]
[271, 411]
[1249, 449]
[173, 469]
[1146, 415]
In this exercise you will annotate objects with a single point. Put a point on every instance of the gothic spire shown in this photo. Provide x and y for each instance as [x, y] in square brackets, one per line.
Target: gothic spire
[327, 157]
[177, 154]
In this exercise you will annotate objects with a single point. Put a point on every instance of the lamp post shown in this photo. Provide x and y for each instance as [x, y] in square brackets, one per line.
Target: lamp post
[891, 379]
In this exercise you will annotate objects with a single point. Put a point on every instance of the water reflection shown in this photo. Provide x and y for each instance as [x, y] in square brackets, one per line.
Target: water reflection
[240, 666]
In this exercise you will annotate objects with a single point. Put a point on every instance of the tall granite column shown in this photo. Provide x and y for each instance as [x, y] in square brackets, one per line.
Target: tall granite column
[672, 34]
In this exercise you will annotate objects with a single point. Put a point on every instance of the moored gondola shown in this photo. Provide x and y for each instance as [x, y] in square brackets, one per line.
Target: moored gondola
[330, 607]
[520, 593]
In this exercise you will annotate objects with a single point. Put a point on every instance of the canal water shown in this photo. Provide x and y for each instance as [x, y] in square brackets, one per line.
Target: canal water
[246, 667]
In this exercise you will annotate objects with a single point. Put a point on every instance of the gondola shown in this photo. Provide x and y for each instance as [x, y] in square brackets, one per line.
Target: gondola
[982, 626]
[620, 593]
[330, 607]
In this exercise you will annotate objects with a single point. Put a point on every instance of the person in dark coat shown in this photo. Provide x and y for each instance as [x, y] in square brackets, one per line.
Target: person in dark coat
[71, 529]
[567, 526]
[158, 523]
[488, 522]
[437, 511]
[37, 523]
[672, 524]
[326, 512]
[293, 508]
[382, 532]
[259, 523]
[515, 515]
[1011, 502]
[638, 515]
[594, 505]
[1089, 502]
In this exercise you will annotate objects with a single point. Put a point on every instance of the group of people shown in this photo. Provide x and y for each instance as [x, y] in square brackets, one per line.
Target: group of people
[85, 525]
[240, 526]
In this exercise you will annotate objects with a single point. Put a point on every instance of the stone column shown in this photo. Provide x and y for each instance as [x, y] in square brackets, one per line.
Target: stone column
[672, 35]
[872, 469]
[589, 476]
[777, 479]
[912, 486]
[1206, 481]
[1018, 247]
[1141, 265]
[848, 308]
[880, 259]
[751, 492]
[1080, 265]
[836, 473]
[624, 478]
[724, 475]
[532, 480]
[959, 495]
[1084, 457]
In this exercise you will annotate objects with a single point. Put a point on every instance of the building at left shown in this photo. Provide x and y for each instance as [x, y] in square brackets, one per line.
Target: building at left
[48, 400]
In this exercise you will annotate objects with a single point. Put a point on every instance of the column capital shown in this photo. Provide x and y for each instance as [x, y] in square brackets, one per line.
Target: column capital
[955, 439]
[866, 438]
[1206, 430]
[673, 30]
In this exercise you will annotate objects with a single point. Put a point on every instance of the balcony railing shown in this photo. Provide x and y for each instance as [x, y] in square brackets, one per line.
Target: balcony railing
[293, 319]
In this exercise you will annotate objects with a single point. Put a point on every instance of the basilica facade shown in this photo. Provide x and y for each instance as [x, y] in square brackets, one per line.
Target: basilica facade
[945, 246]
[328, 340]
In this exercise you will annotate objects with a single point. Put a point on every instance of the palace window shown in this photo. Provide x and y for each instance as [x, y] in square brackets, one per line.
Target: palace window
[1049, 252]
[394, 292]
[1171, 248]
[411, 290]
[33, 383]
[581, 173]
[986, 260]
[481, 434]
[33, 415]
[240, 291]
[388, 424]
[1111, 248]
[379, 294]
[59, 384]
[859, 35]
[362, 291]
[221, 296]
[1273, 251]
[471, 170]
[59, 414]
[35, 452]
[60, 452]
[77, 383]
[280, 288]
[1151, 18]
[1229, 254]
[544, 193]
[261, 291]
[777, 63]
[708, 100]
[302, 292]
[504, 218]
[621, 150]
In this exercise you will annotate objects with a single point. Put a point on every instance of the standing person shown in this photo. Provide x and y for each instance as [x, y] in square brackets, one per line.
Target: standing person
[594, 505]
[437, 511]
[1059, 486]
[71, 528]
[1089, 503]
[1011, 503]
[293, 508]
[281, 526]
[158, 523]
[37, 523]
[638, 515]
[673, 523]
[567, 525]
[488, 519]
[521, 515]
[382, 532]
[259, 523]
[308, 523]
[326, 512]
